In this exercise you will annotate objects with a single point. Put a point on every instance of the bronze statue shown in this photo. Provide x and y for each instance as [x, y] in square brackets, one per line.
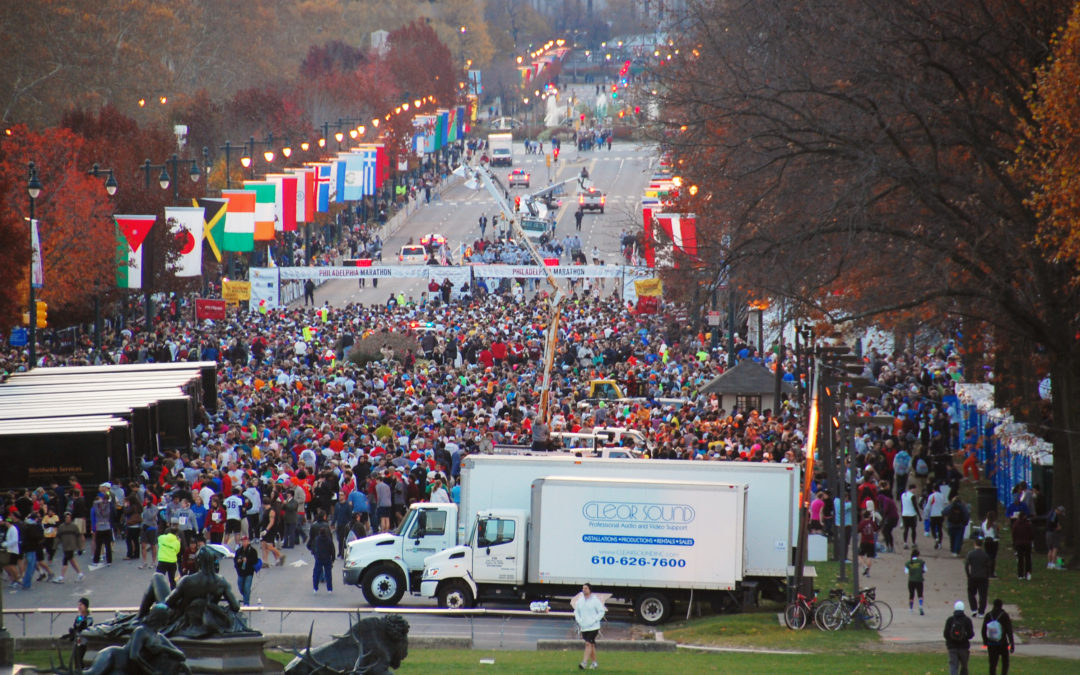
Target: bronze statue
[371, 646]
[193, 609]
[146, 652]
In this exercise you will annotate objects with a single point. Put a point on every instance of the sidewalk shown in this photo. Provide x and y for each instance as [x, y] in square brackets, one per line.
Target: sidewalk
[945, 584]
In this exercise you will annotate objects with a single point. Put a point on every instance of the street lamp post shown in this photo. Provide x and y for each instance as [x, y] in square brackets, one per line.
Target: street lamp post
[461, 33]
[33, 188]
[164, 180]
[110, 187]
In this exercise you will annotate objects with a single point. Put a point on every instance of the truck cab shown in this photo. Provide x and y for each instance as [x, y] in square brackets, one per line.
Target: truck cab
[491, 565]
[387, 565]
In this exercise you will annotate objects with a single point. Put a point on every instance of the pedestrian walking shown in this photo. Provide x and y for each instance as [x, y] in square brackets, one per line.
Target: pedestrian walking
[957, 516]
[990, 540]
[977, 568]
[323, 550]
[1053, 537]
[915, 569]
[69, 535]
[909, 513]
[588, 613]
[483, 224]
[1023, 535]
[101, 515]
[309, 292]
[958, 633]
[168, 554]
[246, 563]
[997, 635]
[578, 215]
[868, 529]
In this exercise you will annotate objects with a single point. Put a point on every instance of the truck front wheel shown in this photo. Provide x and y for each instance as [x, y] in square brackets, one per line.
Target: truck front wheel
[652, 607]
[383, 586]
[455, 595]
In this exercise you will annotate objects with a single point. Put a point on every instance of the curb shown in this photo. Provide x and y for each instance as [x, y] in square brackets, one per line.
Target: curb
[607, 645]
[284, 641]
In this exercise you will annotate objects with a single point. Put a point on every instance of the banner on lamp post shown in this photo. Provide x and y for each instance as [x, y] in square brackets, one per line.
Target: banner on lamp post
[37, 270]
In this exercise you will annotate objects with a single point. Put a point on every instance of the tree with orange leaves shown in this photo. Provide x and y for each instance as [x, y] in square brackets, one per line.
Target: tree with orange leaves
[74, 215]
[1049, 156]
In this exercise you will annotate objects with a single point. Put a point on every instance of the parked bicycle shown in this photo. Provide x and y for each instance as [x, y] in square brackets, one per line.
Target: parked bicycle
[864, 608]
[799, 613]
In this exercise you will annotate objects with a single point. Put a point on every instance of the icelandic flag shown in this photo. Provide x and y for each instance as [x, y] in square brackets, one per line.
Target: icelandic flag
[323, 181]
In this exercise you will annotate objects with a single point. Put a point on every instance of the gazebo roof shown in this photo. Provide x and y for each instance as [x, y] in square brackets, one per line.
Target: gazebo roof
[746, 377]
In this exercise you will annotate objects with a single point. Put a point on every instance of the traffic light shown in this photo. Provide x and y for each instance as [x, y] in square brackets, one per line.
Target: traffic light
[42, 314]
[555, 152]
[517, 203]
[583, 117]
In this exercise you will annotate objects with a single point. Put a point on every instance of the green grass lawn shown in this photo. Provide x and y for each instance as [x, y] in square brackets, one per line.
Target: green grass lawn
[762, 629]
[424, 662]
[1048, 603]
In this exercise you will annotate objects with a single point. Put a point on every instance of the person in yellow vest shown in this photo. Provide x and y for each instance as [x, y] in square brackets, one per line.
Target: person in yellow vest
[168, 553]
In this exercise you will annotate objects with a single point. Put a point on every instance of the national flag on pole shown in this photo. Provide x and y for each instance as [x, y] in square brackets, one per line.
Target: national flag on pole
[265, 199]
[382, 163]
[131, 231]
[213, 222]
[337, 180]
[353, 186]
[186, 224]
[284, 201]
[323, 182]
[239, 221]
[305, 193]
[650, 241]
[681, 227]
[37, 269]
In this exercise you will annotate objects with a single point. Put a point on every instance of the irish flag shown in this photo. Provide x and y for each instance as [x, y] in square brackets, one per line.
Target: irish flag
[131, 231]
[239, 221]
[265, 194]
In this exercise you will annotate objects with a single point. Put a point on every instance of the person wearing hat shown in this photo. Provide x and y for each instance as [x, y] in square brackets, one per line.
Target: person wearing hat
[958, 633]
[83, 620]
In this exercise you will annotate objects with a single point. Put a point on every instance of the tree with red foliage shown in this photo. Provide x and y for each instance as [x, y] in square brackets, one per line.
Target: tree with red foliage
[75, 224]
[421, 65]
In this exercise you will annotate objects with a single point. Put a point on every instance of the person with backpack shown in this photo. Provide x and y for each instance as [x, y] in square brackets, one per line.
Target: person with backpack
[956, 515]
[958, 633]
[915, 569]
[997, 635]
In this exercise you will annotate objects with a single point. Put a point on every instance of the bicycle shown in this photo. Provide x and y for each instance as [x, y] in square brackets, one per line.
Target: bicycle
[797, 614]
[864, 608]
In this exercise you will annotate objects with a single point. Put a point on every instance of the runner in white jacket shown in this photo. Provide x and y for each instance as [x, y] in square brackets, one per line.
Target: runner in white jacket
[589, 612]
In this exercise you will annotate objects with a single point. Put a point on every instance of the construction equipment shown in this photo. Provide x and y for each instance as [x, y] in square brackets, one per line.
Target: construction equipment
[477, 176]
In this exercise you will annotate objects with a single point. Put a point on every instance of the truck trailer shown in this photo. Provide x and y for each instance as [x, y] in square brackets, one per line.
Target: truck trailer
[648, 542]
[387, 565]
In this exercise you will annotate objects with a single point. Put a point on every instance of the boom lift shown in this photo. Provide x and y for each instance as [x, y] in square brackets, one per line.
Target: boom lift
[476, 176]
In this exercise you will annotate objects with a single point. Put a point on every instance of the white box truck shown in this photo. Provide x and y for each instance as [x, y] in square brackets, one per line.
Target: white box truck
[387, 565]
[649, 542]
[501, 149]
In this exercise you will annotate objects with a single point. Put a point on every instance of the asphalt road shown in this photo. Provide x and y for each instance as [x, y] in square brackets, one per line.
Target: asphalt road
[123, 584]
[621, 173]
